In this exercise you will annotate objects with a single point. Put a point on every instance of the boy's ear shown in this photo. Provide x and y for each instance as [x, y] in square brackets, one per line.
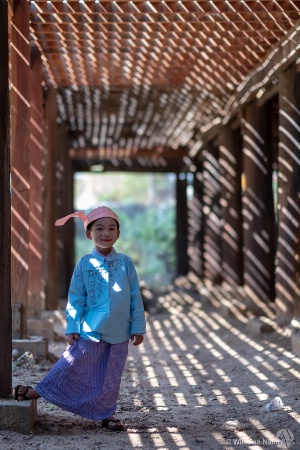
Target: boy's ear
[118, 234]
[88, 234]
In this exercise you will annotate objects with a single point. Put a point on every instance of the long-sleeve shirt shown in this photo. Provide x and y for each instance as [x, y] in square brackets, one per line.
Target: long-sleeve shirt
[104, 300]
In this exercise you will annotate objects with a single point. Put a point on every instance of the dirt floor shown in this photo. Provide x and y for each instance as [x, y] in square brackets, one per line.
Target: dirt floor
[201, 380]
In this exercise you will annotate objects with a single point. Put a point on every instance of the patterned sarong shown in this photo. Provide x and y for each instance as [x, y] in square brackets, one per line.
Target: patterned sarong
[86, 379]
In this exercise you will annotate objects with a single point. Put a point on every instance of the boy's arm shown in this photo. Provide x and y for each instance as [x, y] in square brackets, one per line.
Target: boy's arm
[138, 323]
[76, 301]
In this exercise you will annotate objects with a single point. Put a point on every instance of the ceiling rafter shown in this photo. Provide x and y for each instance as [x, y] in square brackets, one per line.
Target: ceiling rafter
[135, 79]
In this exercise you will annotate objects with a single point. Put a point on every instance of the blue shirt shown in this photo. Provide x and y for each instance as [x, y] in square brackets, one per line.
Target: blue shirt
[104, 300]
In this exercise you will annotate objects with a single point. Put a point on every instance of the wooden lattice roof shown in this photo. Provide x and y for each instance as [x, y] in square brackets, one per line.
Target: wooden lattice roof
[142, 80]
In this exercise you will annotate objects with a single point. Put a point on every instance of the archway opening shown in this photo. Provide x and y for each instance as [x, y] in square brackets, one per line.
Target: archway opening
[145, 203]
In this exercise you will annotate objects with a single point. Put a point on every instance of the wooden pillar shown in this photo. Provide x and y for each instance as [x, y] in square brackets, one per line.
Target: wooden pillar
[231, 205]
[288, 247]
[20, 119]
[36, 300]
[181, 225]
[258, 209]
[65, 234]
[50, 193]
[195, 250]
[211, 216]
[5, 221]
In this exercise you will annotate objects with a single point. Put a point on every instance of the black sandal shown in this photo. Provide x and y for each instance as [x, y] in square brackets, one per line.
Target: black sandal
[23, 395]
[118, 425]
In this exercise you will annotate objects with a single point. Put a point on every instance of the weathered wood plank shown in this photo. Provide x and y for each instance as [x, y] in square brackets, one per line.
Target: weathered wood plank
[258, 209]
[5, 236]
[182, 263]
[211, 215]
[195, 222]
[230, 159]
[36, 298]
[288, 247]
[20, 118]
[50, 195]
[65, 234]
[279, 59]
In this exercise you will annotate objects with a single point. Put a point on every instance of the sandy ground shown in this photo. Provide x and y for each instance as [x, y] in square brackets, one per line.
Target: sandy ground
[199, 381]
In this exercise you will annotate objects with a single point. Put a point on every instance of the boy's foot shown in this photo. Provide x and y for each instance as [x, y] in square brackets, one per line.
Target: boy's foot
[111, 423]
[22, 393]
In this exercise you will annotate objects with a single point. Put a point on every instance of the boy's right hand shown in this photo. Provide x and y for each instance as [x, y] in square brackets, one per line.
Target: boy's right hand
[72, 337]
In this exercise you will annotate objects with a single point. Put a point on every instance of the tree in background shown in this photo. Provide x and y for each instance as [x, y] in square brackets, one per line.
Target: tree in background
[145, 204]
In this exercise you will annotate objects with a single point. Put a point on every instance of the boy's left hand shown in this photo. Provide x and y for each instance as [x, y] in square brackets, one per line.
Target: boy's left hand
[137, 339]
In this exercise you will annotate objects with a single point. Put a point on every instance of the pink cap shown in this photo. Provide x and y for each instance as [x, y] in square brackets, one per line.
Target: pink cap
[97, 213]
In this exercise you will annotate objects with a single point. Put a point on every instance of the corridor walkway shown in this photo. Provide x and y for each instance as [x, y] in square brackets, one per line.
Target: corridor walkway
[200, 372]
[200, 381]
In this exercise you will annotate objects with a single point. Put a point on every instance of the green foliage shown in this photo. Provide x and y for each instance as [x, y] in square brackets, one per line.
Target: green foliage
[145, 205]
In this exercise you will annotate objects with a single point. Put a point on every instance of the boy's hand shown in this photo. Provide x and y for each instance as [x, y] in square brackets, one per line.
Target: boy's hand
[137, 339]
[72, 337]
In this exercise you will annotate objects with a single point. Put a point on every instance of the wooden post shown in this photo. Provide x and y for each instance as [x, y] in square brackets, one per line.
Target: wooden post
[231, 205]
[5, 221]
[181, 225]
[258, 209]
[20, 118]
[211, 215]
[65, 234]
[50, 193]
[195, 223]
[36, 300]
[288, 246]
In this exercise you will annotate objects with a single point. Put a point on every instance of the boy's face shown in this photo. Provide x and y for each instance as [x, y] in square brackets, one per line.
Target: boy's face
[104, 233]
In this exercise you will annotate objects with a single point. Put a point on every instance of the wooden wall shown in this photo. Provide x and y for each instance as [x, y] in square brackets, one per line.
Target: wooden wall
[5, 206]
[249, 224]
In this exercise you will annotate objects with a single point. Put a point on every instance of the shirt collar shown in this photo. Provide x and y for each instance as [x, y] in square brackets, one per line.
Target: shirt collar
[108, 257]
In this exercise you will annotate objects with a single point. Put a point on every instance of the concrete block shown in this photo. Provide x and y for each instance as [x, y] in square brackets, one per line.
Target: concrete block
[35, 345]
[295, 338]
[259, 325]
[41, 327]
[59, 322]
[18, 416]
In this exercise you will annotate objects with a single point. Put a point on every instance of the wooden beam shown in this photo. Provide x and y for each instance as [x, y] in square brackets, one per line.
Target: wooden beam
[5, 206]
[11, 4]
[130, 165]
[195, 224]
[36, 300]
[278, 59]
[50, 196]
[98, 153]
[212, 258]
[258, 209]
[64, 203]
[20, 156]
[230, 159]
[182, 261]
[288, 246]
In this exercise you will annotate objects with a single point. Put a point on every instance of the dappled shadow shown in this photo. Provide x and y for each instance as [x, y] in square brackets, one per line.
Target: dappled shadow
[199, 371]
[201, 368]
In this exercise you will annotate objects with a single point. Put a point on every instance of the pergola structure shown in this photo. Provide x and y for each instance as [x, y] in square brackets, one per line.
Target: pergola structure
[205, 87]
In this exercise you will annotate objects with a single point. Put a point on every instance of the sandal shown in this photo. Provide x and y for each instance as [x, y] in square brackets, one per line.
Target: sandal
[117, 424]
[23, 395]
